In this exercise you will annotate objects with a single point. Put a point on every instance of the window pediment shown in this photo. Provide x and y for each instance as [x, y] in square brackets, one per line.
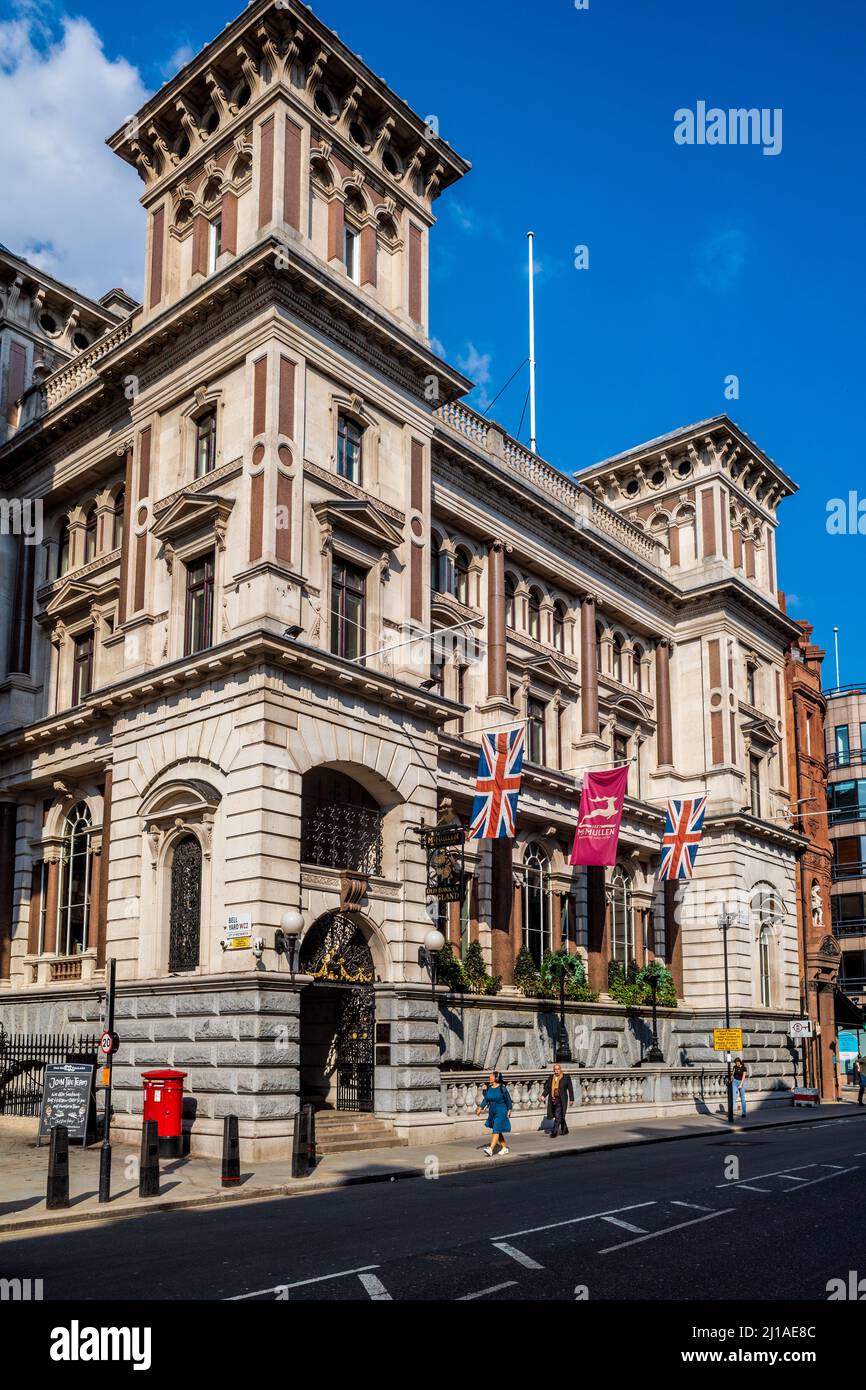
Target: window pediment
[191, 512]
[546, 670]
[761, 732]
[74, 597]
[360, 517]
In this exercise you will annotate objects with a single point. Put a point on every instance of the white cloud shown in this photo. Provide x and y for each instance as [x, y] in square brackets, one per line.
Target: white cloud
[476, 365]
[70, 206]
[719, 261]
[179, 59]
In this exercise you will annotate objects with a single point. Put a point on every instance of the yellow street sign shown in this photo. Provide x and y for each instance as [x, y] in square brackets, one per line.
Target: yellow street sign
[727, 1039]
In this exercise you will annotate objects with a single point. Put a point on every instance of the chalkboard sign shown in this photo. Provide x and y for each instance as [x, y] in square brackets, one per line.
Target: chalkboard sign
[67, 1099]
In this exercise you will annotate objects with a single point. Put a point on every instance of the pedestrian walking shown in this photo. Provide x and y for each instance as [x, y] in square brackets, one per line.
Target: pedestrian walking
[861, 1076]
[739, 1077]
[497, 1103]
[558, 1091]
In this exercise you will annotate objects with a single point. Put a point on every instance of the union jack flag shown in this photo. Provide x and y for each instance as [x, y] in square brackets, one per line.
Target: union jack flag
[683, 830]
[497, 785]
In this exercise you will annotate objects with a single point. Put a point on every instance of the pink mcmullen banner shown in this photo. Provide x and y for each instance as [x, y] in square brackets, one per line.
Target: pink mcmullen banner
[597, 835]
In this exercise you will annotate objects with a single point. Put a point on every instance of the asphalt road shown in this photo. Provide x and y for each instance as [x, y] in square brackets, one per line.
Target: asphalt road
[769, 1214]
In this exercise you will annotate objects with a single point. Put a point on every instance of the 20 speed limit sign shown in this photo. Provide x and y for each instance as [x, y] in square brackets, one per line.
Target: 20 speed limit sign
[108, 1043]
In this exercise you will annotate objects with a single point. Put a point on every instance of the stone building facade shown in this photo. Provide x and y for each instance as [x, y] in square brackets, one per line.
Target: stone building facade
[262, 493]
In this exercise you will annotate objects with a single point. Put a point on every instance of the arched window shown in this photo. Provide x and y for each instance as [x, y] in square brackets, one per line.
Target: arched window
[637, 659]
[438, 566]
[535, 614]
[621, 917]
[90, 535]
[559, 627]
[119, 509]
[510, 589]
[461, 575]
[73, 907]
[185, 913]
[341, 823]
[536, 903]
[63, 548]
[617, 657]
[764, 945]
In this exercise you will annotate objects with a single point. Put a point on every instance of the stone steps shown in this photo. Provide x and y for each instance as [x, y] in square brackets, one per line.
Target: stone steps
[342, 1131]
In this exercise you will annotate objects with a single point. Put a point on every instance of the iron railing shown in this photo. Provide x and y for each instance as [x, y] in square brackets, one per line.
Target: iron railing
[342, 837]
[853, 870]
[23, 1059]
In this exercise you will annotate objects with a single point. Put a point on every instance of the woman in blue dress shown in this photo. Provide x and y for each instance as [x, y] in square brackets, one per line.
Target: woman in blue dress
[497, 1103]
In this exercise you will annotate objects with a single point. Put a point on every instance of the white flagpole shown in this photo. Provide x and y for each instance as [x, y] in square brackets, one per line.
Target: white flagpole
[532, 436]
[836, 640]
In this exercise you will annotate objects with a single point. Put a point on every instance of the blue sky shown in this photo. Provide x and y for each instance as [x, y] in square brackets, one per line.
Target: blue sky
[703, 261]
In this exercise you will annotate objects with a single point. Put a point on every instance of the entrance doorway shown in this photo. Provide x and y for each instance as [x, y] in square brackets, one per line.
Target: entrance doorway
[338, 1016]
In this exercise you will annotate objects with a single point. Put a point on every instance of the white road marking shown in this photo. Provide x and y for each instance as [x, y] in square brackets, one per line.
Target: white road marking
[299, 1283]
[482, 1293]
[681, 1226]
[626, 1225]
[573, 1221]
[749, 1188]
[758, 1177]
[375, 1288]
[695, 1206]
[517, 1255]
[831, 1165]
[792, 1177]
[839, 1174]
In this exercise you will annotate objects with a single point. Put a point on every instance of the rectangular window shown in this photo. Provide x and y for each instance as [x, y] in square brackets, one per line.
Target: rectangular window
[348, 610]
[847, 801]
[199, 605]
[843, 749]
[750, 685]
[536, 718]
[755, 785]
[568, 921]
[82, 667]
[205, 444]
[620, 749]
[351, 253]
[214, 244]
[863, 742]
[349, 441]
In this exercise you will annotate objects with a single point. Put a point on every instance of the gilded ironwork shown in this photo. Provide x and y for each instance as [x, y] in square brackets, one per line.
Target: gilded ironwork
[335, 949]
[355, 1043]
[185, 919]
[342, 837]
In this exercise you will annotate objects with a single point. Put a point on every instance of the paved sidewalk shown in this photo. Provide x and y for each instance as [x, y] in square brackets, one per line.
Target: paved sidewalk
[192, 1182]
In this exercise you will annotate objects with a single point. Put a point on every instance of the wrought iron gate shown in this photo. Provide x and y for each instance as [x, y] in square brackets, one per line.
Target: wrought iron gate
[355, 1035]
[23, 1059]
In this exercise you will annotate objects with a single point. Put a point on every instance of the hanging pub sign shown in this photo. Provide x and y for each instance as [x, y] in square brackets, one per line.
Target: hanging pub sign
[444, 845]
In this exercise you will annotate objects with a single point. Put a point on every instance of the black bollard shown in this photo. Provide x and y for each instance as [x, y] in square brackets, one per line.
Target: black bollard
[58, 1169]
[231, 1152]
[148, 1171]
[304, 1145]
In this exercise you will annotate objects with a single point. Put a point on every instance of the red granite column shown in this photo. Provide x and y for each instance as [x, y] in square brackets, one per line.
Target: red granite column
[664, 725]
[22, 613]
[673, 938]
[588, 669]
[497, 676]
[597, 933]
[51, 895]
[8, 820]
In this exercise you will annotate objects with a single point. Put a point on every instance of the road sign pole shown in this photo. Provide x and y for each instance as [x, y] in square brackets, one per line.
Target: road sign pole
[105, 1152]
[727, 1017]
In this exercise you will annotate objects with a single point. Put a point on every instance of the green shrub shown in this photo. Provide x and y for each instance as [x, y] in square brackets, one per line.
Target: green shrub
[467, 976]
[543, 982]
[632, 987]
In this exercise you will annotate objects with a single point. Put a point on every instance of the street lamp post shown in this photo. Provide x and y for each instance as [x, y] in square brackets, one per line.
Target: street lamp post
[654, 1052]
[726, 920]
[288, 936]
[428, 954]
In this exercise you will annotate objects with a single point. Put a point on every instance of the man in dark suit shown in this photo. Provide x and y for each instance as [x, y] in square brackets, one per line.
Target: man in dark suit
[558, 1091]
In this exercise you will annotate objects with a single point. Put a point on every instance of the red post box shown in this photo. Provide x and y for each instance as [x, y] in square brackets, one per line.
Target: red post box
[163, 1102]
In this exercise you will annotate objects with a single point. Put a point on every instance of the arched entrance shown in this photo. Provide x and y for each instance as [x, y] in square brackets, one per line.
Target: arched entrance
[338, 1015]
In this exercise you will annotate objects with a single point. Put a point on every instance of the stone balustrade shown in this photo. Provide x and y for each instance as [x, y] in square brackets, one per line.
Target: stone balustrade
[82, 369]
[462, 1092]
[587, 510]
